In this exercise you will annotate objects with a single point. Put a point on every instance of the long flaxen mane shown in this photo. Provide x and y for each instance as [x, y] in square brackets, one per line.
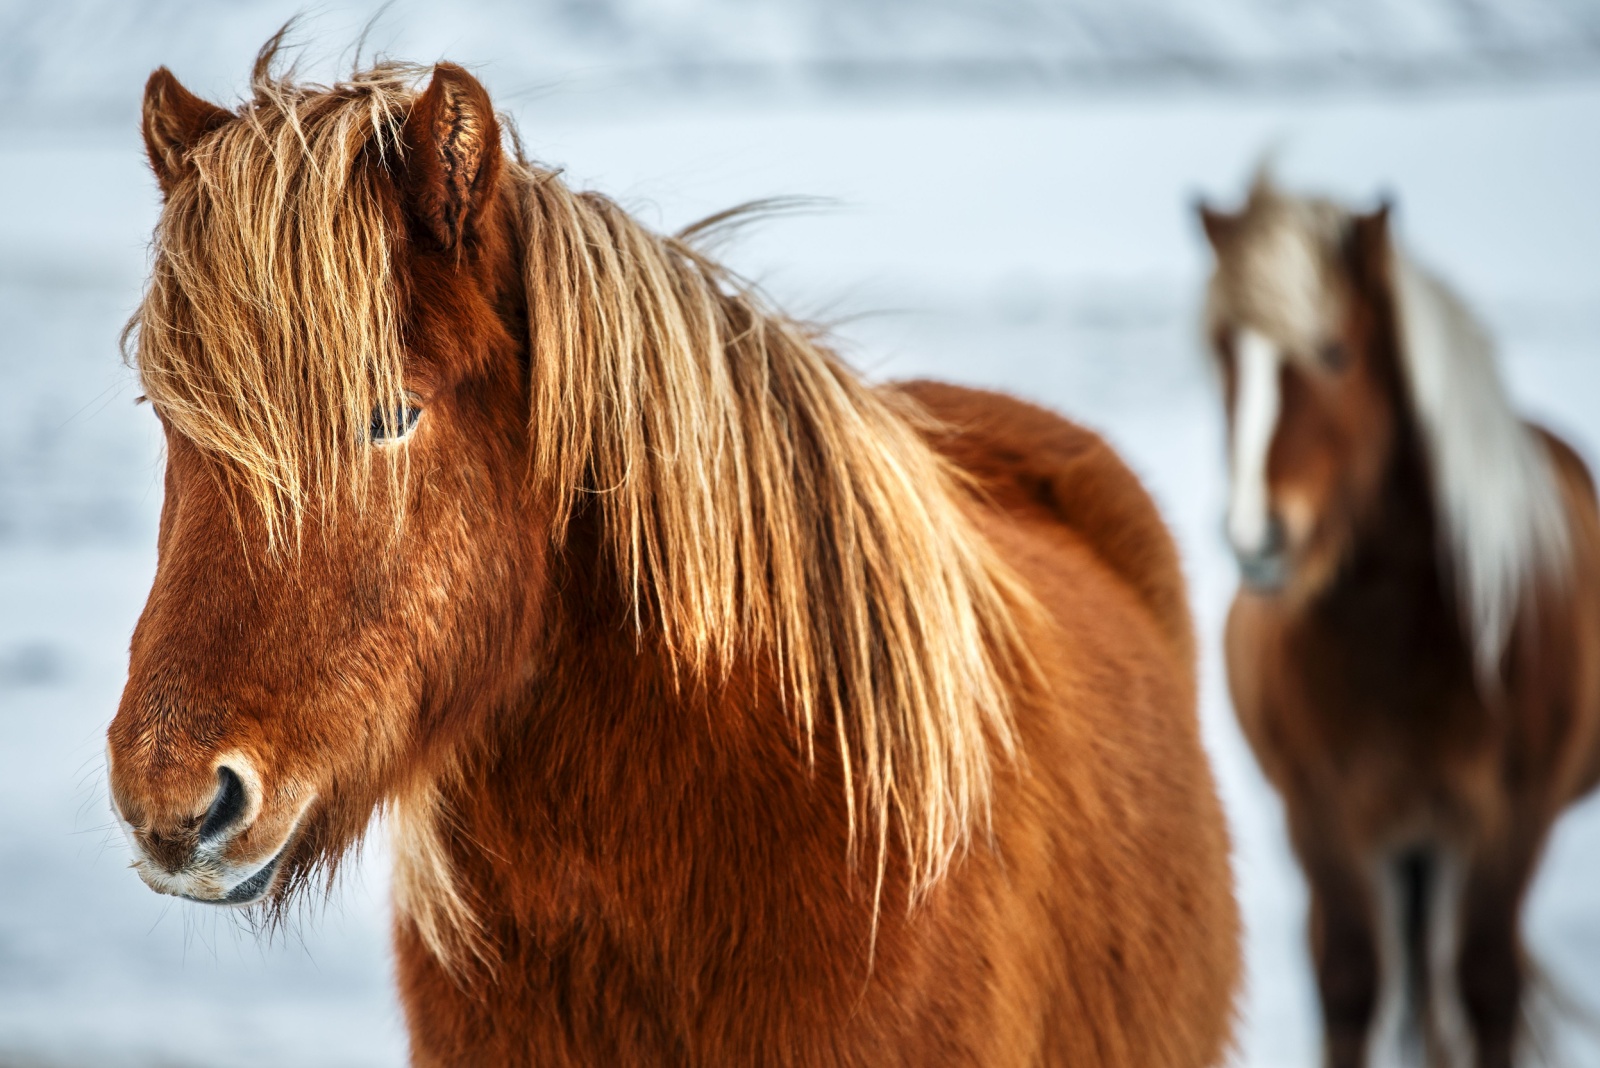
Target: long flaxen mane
[759, 502]
[1503, 525]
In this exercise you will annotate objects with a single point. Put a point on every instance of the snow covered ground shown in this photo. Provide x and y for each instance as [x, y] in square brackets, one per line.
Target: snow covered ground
[1040, 245]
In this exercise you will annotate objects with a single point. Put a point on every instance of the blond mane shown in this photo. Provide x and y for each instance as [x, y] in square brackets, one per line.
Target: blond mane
[759, 502]
[760, 498]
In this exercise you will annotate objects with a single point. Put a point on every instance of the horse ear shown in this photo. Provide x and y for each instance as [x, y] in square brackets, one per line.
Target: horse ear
[1369, 243]
[452, 156]
[1219, 225]
[173, 120]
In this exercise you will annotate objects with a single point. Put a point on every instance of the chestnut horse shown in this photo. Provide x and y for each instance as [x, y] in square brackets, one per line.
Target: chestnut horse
[726, 710]
[1412, 652]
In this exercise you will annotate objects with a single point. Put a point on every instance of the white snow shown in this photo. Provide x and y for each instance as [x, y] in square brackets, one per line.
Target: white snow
[1041, 245]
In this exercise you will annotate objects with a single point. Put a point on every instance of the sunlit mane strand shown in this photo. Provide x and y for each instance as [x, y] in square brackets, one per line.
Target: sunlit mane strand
[758, 498]
[270, 329]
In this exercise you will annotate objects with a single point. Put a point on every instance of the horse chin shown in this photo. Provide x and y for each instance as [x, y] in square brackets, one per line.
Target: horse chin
[253, 889]
[210, 880]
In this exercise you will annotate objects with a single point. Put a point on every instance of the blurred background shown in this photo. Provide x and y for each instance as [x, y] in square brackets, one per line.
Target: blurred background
[1008, 190]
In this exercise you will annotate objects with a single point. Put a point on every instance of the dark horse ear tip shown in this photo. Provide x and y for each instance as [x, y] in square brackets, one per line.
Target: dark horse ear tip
[163, 82]
[453, 72]
[163, 90]
[457, 82]
[1217, 224]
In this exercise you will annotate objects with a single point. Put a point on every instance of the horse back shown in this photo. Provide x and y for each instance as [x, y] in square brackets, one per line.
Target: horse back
[1571, 471]
[1031, 462]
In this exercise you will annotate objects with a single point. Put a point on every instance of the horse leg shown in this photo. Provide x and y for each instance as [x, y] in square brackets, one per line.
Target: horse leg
[1490, 969]
[1344, 946]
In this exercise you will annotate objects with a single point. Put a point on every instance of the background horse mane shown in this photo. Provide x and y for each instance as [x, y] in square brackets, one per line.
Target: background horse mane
[1502, 522]
[758, 503]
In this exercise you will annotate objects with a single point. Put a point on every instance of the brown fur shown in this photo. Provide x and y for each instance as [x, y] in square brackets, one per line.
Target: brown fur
[1357, 684]
[657, 617]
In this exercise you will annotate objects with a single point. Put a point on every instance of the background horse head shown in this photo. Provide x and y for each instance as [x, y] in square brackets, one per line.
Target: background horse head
[1354, 381]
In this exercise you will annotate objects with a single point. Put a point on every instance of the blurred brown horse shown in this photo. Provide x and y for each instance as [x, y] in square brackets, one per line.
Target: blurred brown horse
[1415, 650]
[728, 710]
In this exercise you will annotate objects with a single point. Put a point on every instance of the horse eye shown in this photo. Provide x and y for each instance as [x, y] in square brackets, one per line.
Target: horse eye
[392, 422]
[1333, 355]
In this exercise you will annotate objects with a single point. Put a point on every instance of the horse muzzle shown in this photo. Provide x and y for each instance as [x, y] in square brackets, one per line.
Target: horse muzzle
[1263, 572]
[210, 857]
[1263, 555]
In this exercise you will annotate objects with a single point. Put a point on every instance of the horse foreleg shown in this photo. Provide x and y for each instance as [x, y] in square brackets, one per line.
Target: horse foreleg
[1490, 968]
[1345, 948]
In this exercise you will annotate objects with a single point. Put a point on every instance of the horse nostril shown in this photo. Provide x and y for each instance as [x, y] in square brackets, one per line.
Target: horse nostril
[228, 807]
[1276, 538]
[1264, 561]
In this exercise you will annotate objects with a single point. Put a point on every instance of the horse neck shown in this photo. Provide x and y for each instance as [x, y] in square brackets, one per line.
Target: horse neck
[611, 780]
[606, 704]
[1397, 533]
[612, 783]
[1396, 558]
[1398, 541]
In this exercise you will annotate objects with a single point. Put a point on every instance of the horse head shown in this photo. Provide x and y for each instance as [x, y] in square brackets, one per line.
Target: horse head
[1300, 319]
[347, 572]
[438, 426]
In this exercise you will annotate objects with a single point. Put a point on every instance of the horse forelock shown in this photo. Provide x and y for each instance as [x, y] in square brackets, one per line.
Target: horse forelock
[271, 326]
[1277, 273]
[758, 501]
[1503, 526]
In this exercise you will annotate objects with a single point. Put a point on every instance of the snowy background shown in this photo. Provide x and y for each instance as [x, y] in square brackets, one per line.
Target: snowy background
[1009, 186]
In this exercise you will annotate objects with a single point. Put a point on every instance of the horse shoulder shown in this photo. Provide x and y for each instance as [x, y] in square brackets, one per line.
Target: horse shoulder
[1571, 471]
[1031, 461]
[1581, 614]
[1118, 783]
[1261, 694]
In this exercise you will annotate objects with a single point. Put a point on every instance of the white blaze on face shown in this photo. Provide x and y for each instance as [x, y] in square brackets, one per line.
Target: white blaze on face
[1255, 421]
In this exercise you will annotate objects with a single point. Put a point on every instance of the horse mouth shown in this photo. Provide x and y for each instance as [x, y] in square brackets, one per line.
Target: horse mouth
[252, 889]
[1264, 573]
